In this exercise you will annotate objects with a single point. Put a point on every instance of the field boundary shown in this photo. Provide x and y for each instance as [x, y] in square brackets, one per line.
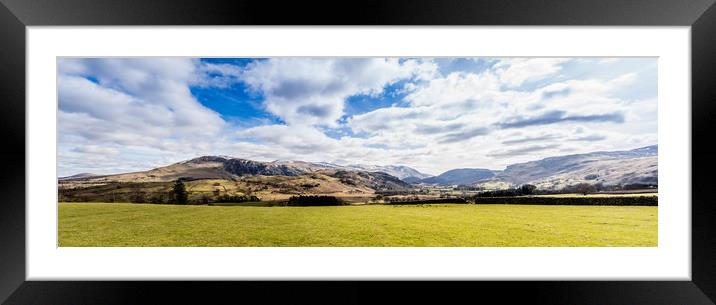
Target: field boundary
[617, 201]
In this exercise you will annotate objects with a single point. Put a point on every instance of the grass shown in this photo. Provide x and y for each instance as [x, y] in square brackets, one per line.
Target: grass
[116, 224]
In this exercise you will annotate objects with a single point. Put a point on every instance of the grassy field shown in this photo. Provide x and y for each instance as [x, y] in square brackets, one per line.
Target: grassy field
[117, 224]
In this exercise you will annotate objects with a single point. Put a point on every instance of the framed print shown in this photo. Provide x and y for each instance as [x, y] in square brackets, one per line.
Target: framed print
[561, 150]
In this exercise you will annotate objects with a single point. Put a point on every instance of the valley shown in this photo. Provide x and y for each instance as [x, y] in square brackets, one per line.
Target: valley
[209, 177]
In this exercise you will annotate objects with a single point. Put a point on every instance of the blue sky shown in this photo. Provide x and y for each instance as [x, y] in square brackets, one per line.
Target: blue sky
[433, 114]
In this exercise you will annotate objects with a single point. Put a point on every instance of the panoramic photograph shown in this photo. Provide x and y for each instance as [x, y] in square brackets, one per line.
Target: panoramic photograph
[357, 152]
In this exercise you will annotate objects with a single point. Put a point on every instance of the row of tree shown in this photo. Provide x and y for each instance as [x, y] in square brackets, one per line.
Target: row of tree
[314, 201]
[580, 188]
[179, 195]
[526, 189]
[529, 189]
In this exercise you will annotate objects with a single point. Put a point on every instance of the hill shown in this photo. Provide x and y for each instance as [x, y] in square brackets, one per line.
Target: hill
[400, 171]
[460, 176]
[213, 176]
[637, 166]
[78, 176]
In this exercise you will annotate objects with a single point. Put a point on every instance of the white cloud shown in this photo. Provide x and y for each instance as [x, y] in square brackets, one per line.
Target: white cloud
[216, 75]
[457, 87]
[386, 119]
[125, 102]
[96, 149]
[141, 113]
[607, 61]
[145, 96]
[313, 91]
[300, 138]
[624, 79]
[462, 114]
[513, 72]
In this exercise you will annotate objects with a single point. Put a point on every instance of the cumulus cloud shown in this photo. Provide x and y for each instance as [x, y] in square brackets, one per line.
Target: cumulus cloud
[142, 113]
[309, 91]
[149, 97]
[131, 102]
[301, 138]
[472, 111]
[387, 119]
[513, 72]
[457, 87]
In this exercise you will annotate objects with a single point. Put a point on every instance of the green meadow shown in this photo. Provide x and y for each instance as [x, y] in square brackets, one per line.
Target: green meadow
[448, 225]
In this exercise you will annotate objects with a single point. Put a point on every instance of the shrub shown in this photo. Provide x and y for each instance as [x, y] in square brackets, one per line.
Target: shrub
[428, 201]
[157, 199]
[500, 193]
[138, 197]
[527, 189]
[314, 201]
[236, 198]
[622, 201]
[638, 186]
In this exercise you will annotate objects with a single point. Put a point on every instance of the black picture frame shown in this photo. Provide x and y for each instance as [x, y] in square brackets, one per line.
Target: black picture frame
[16, 15]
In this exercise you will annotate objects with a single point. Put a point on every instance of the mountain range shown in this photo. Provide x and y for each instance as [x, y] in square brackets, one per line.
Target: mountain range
[606, 167]
[399, 171]
[637, 166]
[459, 176]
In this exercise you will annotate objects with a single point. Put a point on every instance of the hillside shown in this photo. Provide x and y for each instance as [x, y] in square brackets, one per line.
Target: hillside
[460, 176]
[201, 168]
[218, 175]
[213, 176]
[400, 171]
[77, 176]
[219, 167]
[637, 166]
[609, 168]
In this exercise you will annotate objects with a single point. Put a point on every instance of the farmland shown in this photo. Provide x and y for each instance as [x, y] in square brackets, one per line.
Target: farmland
[468, 225]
